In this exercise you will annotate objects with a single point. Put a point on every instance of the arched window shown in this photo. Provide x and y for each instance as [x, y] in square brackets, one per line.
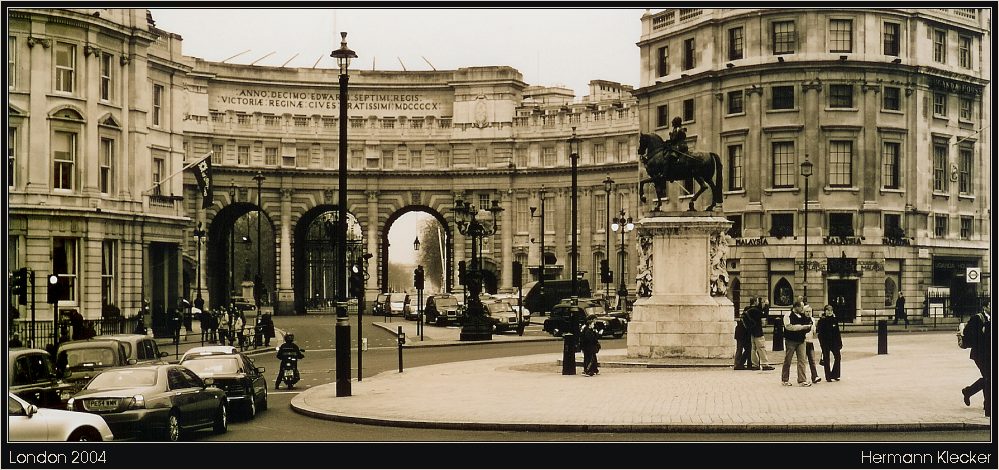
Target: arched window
[783, 294]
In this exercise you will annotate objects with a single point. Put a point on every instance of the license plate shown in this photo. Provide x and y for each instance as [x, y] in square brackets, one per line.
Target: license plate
[289, 373]
[101, 405]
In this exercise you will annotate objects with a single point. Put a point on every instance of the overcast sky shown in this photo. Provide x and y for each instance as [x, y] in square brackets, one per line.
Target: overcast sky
[548, 46]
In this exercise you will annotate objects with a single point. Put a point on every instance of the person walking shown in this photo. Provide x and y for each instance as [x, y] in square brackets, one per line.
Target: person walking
[238, 326]
[900, 310]
[743, 340]
[831, 342]
[268, 328]
[796, 326]
[810, 339]
[978, 337]
[757, 316]
[589, 343]
[224, 328]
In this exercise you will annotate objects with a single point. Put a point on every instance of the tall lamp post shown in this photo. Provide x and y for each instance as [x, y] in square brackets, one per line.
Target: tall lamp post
[258, 279]
[806, 171]
[342, 56]
[232, 246]
[199, 302]
[623, 225]
[418, 283]
[475, 224]
[541, 261]
[569, 338]
[608, 187]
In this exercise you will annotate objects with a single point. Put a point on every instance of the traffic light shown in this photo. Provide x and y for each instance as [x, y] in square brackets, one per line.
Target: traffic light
[606, 276]
[461, 272]
[518, 273]
[418, 277]
[356, 282]
[19, 286]
[55, 290]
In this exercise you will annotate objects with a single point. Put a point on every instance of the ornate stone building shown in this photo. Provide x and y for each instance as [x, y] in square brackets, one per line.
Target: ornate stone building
[891, 106]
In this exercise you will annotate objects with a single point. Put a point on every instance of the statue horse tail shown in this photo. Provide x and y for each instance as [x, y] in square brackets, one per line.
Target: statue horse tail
[716, 192]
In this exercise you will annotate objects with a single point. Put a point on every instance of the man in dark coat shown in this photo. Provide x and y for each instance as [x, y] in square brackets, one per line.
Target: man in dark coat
[900, 310]
[756, 316]
[743, 340]
[267, 325]
[831, 342]
[589, 343]
[978, 336]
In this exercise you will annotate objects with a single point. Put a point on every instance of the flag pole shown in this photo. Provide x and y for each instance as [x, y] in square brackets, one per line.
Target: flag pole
[185, 168]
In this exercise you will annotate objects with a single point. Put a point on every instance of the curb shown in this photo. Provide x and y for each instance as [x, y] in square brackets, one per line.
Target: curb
[445, 343]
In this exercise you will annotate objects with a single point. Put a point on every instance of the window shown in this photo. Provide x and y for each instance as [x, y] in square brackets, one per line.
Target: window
[890, 165]
[940, 46]
[444, 123]
[415, 159]
[840, 35]
[218, 153]
[444, 159]
[735, 105]
[158, 168]
[300, 121]
[243, 155]
[735, 231]
[329, 123]
[893, 226]
[735, 39]
[688, 109]
[781, 225]
[157, 104]
[388, 123]
[966, 227]
[599, 153]
[481, 158]
[891, 39]
[65, 265]
[109, 266]
[940, 166]
[107, 161]
[840, 163]
[840, 96]
[106, 70]
[840, 225]
[217, 116]
[549, 210]
[783, 164]
[688, 54]
[600, 215]
[11, 155]
[966, 162]
[891, 98]
[243, 119]
[416, 123]
[940, 226]
[734, 167]
[330, 159]
[622, 151]
[782, 97]
[940, 104]
[356, 123]
[662, 61]
[662, 116]
[64, 160]
[388, 159]
[548, 156]
[270, 155]
[522, 158]
[520, 209]
[784, 37]
[65, 67]
[11, 61]
[966, 107]
[964, 51]
[357, 159]
[302, 157]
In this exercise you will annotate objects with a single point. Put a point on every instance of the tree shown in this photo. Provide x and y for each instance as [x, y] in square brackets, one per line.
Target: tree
[432, 237]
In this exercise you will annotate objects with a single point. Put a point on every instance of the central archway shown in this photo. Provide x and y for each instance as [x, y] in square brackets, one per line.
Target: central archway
[384, 251]
[316, 270]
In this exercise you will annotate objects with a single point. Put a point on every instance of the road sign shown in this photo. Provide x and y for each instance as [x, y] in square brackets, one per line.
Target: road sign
[973, 275]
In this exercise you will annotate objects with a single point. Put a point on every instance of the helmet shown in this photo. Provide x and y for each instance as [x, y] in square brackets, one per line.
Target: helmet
[289, 337]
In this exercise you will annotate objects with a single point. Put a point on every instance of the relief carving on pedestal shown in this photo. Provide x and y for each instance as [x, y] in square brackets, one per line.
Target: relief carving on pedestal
[644, 276]
[720, 242]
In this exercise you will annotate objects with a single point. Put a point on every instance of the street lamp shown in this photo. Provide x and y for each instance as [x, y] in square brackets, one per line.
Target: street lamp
[569, 338]
[623, 225]
[232, 244]
[416, 244]
[257, 279]
[198, 301]
[806, 171]
[342, 56]
[608, 187]
[475, 224]
[541, 261]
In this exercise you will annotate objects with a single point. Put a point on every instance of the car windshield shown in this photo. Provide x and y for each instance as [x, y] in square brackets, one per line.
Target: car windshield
[397, 298]
[499, 307]
[595, 310]
[446, 302]
[123, 378]
[87, 357]
[208, 366]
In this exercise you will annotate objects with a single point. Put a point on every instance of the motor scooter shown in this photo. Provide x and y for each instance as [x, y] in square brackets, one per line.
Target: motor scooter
[289, 371]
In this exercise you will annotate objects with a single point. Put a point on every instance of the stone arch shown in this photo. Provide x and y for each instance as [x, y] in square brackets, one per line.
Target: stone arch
[219, 263]
[384, 246]
[306, 246]
[68, 112]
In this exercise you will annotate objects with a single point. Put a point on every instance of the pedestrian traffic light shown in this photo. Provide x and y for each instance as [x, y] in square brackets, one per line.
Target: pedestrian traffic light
[461, 272]
[56, 285]
[356, 282]
[518, 273]
[19, 286]
[605, 273]
[418, 277]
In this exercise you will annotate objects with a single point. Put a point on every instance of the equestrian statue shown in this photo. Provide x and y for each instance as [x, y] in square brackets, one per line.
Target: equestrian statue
[670, 160]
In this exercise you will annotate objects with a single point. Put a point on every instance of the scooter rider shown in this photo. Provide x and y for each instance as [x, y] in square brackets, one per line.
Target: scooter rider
[288, 350]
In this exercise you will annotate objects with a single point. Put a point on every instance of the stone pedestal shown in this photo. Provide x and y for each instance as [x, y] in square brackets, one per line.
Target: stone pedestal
[682, 311]
[247, 290]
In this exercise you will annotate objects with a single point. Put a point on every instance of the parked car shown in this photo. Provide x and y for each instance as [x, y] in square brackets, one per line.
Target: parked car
[398, 304]
[541, 298]
[502, 315]
[568, 317]
[79, 361]
[140, 348]
[153, 401]
[32, 376]
[243, 382]
[27, 422]
[380, 306]
[217, 349]
[514, 301]
[443, 309]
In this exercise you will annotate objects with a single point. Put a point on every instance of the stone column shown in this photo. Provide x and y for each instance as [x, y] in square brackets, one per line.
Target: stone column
[682, 311]
[371, 285]
[506, 240]
[285, 291]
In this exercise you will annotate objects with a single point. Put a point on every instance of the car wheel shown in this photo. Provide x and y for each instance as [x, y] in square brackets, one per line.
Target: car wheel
[85, 435]
[263, 403]
[173, 427]
[251, 406]
[221, 420]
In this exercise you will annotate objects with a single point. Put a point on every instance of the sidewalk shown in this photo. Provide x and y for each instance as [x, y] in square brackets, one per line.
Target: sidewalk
[914, 387]
[192, 339]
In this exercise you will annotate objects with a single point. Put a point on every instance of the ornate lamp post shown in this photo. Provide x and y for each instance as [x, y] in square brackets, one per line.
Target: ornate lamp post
[232, 246]
[342, 56]
[198, 301]
[541, 262]
[569, 338]
[806, 171]
[257, 279]
[608, 187]
[623, 225]
[475, 224]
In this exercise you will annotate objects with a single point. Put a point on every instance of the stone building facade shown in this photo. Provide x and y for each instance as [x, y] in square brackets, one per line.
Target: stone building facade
[891, 106]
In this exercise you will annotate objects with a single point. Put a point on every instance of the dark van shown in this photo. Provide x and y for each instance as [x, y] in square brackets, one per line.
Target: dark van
[554, 290]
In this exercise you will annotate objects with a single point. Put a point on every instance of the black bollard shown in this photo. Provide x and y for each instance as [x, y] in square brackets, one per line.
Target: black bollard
[402, 340]
[569, 354]
[779, 335]
[882, 336]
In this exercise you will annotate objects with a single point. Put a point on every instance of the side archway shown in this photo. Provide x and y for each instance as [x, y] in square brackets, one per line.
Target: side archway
[384, 248]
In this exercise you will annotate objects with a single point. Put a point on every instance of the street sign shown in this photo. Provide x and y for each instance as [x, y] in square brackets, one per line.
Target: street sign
[973, 275]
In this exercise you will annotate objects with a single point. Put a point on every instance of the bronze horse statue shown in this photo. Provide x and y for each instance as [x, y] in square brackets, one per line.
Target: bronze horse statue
[664, 163]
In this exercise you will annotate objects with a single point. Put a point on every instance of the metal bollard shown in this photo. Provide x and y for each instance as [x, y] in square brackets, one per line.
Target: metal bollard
[402, 341]
[882, 336]
[569, 354]
[778, 335]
